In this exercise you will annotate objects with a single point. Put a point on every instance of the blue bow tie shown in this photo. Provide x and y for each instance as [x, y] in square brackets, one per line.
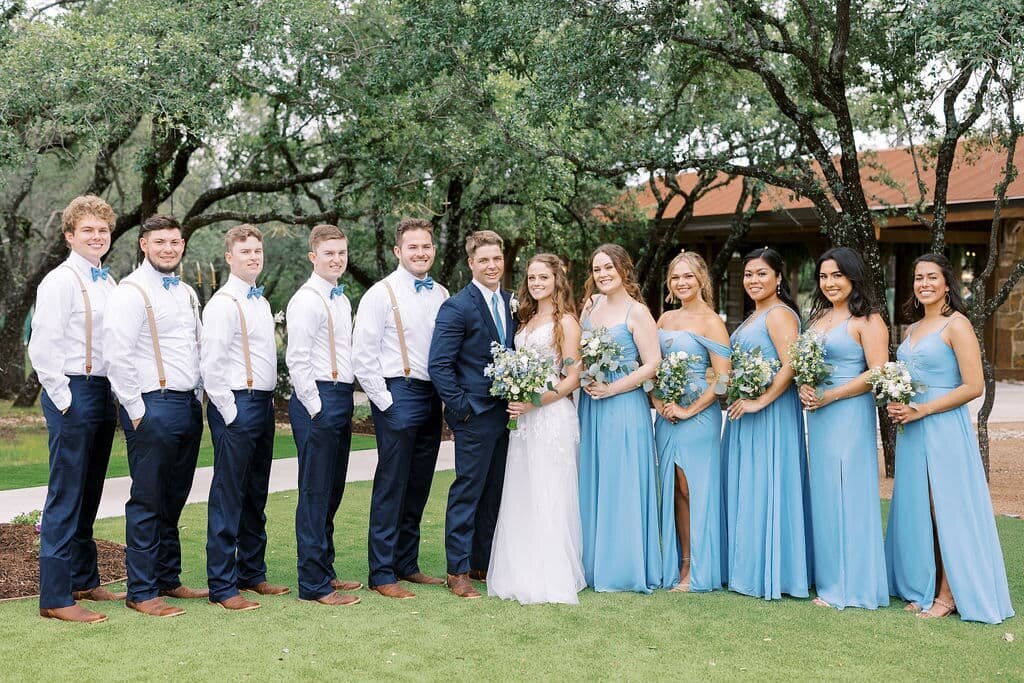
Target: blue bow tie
[254, 293]
[427, 282]
[171, 281]
[98, 273]
[337, 291]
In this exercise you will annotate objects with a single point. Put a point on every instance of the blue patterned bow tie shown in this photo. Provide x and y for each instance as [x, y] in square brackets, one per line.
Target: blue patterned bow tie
[171, 281]
[254, 293]
[98, 273]
[427, 282]
[337, 291]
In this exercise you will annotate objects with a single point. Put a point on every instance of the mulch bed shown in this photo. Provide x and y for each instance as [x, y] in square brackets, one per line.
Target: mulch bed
[19, 561]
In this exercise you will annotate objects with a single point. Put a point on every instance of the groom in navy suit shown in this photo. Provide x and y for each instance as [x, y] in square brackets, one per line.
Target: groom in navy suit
[467, 324]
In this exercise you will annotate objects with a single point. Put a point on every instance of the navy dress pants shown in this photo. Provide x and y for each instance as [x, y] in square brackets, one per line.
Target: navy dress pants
[79, 452]
[481, 446]
[408, 436]
[236, 528]
[162, 455]
[323, 446]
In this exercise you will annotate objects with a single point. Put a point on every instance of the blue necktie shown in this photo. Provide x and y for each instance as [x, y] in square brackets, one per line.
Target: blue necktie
[337, 291]
[427, 282]
[171, 281]
[497, 318]
[254, 293]
[98, 273]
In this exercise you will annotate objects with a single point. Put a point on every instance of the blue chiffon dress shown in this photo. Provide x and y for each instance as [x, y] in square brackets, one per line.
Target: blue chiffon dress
[849, 560]
[768, 529]
[939, 452]
[694, 446]
[618, 486]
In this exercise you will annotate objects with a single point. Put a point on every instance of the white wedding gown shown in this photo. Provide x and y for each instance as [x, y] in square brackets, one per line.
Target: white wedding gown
[538, 549]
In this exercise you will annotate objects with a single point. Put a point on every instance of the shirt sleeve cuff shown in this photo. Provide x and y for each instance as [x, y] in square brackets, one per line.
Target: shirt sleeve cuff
[383, 400]
[229, 412]
[61, 400]
[135, 408]
[313, 406]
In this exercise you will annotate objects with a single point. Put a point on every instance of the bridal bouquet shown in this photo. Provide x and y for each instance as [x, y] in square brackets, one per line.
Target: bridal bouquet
[751, 373]
[892, 383]
[521, 375]
[807, 358]
[674, 381]
[601, 355]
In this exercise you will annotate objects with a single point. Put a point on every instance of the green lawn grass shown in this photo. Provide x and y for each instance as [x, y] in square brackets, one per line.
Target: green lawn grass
[436, 636]
[24, 461]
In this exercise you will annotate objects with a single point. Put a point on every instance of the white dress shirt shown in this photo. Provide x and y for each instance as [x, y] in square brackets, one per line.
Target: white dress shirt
[128, 345]
[223, 361]
[57, 345]
[502, 309]
[376, 353]
[308, 355]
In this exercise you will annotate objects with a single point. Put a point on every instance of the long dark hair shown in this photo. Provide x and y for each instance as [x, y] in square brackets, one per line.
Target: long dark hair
[861, 303]
[623, 265]
[775, 262]
[954, 302]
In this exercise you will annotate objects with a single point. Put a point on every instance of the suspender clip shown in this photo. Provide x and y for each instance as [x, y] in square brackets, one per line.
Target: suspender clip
[248, 383]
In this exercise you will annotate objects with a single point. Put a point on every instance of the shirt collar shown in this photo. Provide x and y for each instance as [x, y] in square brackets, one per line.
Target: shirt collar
[237, 286]
[486, 292]
[152, 274]
[320, 284]
[81, 264]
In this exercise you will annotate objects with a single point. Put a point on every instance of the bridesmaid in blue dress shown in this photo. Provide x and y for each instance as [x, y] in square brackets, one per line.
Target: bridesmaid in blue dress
[941, 547]
[618, 481]
[768, 533]
[689, 436]
[849, 561]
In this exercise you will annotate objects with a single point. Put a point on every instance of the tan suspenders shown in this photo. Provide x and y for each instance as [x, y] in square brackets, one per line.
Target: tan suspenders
[330, 333]
[151, 319]
[245, 339]
[399, 328]
[88, 319]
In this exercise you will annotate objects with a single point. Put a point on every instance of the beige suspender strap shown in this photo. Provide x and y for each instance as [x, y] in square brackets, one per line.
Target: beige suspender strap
[151, 317]
[399, 328]
[245, 339]
[330, 334]
[88, 320]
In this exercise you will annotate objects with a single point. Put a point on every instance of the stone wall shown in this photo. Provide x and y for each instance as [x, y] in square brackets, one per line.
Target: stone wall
[1009, 319]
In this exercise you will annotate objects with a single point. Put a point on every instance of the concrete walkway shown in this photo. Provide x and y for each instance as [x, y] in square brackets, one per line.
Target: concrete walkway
[284, 476]
[1009, 407]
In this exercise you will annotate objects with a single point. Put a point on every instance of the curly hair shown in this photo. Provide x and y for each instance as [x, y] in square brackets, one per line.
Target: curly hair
[86, 205]
[699, 268]
[623, 266]
[561, 297]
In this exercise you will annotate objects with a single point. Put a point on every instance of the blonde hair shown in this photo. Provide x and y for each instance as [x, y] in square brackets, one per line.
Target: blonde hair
[323, 232]
[699, 268]
[623, 266]
[86, 205]
[482, 238]
[561, 297]
[241, 233]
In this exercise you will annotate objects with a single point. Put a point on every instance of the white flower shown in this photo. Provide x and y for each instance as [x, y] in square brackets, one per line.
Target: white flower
[513, 304]
[279, 317]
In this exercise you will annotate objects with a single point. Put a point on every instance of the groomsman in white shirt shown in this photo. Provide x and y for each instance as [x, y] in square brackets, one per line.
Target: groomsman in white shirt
[152, 346]
[319, 358]
[239, 369]
[68, 357]
[390, 350]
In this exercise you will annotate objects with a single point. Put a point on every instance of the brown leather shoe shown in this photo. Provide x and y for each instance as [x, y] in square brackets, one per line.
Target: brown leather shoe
[237, 603]
[267, 588]
[478, 575]
[185, 593]
[462, 587]
[339, 585]
[154, 607]
[422, 579]
[98, 594]
[75, 613]
[336, 599]
[393, 590]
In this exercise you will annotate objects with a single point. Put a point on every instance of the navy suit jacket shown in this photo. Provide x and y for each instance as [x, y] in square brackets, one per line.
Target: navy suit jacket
[461, 348]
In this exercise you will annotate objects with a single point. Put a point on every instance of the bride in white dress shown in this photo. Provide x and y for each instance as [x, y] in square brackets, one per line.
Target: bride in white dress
[537, 551]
